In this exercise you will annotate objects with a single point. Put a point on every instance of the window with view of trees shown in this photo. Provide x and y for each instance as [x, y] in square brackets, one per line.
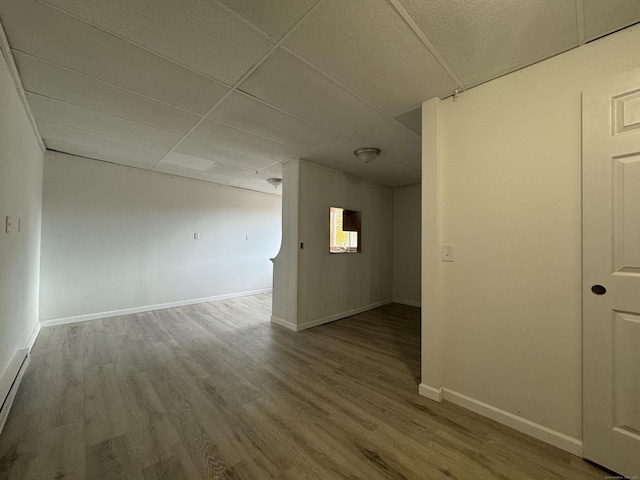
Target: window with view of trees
[344, 235]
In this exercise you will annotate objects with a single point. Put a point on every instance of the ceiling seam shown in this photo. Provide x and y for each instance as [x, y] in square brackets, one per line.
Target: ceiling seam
[130, 42]
[427, 43]
[303, 150]
[242, 79]
[106, 83]
[333, 80]
[580, 21]
[163, 149]
[245, 20]
[226, 148]
[232, 88]
[532, 64]
[102, 134]
[246, 75]
[162, 130]
[99, 149]
[615, 30]
[312, 149]
[160, 173]
[252, 133]
[385, 114]
[241, 92]
[241, 177]
[17, 81]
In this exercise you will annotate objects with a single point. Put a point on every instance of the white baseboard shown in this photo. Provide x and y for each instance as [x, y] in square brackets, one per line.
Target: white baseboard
[10, 382]
[147, 308]
[338, 316]
[548, 435]
[430, 392]
[411, 303]
[34, 336]
[284, 323]
[331, 318]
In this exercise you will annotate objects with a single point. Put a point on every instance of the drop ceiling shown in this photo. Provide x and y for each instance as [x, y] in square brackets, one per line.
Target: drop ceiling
[226, 91]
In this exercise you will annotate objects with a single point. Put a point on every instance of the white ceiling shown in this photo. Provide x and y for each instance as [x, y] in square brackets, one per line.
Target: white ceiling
[226, 91]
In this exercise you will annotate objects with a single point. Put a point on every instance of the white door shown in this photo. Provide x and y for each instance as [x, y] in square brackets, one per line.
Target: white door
[611, 274]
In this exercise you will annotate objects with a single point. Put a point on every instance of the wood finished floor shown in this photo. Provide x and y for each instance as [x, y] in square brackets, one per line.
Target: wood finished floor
[216, 391]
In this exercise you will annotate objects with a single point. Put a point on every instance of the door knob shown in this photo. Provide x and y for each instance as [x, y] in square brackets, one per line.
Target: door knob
[598, 290]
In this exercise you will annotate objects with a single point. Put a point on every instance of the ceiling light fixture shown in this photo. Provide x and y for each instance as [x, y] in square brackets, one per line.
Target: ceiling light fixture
[274, 182]
[367, 154]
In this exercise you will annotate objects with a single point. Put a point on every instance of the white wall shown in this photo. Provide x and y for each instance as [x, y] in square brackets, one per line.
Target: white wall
[21, 198]
[406, 244]
[117, 238]
[333, 286]
[285, 263]
[509, 154]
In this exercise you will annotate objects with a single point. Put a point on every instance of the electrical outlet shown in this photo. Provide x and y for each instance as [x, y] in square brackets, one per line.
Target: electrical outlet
[196, 236]
[7, 224]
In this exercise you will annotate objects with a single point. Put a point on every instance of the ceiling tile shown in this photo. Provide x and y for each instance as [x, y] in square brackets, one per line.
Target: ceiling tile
[412, 120]
[227, 172]
[243, 111]
[48, 109]
[273, 16]
[222, 155]
[52, 81]
[602, 17]
[415, 163]
[288, 83]
[101, 143]
[216, 174]
[355, 168]
[395, 141]
[483, 40]
[182, 31]
[328, 162]
[367, 46]
[234, 138]
[69, 42]
[274, 170]
[257, 182]
[187, 161]
[340, 150]
[382, 173]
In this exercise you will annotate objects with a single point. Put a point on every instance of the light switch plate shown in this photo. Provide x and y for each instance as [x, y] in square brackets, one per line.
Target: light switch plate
[447, 253]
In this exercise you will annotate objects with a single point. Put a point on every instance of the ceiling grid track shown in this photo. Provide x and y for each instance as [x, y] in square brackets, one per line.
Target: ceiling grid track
[124, 39]
[423, 38]
[240, 92]
[244, 20]
[246, 75]
[346, 89]
[228, 91]
[62, 67]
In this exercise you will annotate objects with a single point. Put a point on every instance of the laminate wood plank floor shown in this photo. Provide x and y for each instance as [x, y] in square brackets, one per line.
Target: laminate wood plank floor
[215, 391]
